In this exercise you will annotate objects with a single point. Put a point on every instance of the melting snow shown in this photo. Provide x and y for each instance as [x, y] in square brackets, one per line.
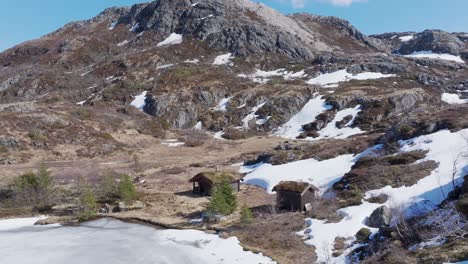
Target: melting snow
[164, 66]
[134, 27]
[194, 61]
[344, 76]
[198, 126]
[453, 99]
[252, 115]
[331, 131]
[173, 143]
[203, 18]
[431, 55]
[223, 59]
[219, 135]
[264, 76]
[320, 173]
[222, 105]
[293, 128]
[444, 147]
[173, 39]
[113, 25]
[406, 38]
[139, 101]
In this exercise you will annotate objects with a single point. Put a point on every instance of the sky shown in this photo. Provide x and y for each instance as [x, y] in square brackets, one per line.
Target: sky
[22, 20]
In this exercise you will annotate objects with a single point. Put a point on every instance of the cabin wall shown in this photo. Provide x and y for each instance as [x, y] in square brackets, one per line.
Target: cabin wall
[307, 197]
[286, 200]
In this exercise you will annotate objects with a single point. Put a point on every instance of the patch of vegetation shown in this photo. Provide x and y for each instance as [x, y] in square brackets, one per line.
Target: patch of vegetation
[83, 113]
[37, 135]
[36, 189]
[246, 216]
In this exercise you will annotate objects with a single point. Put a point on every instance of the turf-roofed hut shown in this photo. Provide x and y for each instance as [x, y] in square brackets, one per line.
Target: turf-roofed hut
[203, 183]
[293, 196]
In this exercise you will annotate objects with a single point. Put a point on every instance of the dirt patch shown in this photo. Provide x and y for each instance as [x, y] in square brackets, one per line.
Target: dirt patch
[275, 236]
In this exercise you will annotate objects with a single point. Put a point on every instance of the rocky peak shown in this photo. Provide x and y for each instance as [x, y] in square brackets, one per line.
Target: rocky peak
[437, 41]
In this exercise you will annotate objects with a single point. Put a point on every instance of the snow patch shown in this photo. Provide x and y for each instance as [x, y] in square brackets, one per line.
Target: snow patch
[219, 135]
[319, 173]
[406, 38]
[223, 59]
[293, 128]
[194, 61]
[172, 143]
[453, 99]
[264, 76]
[222, 105]
[113, 25]
[446, 148]
[344, 76]
[331, 131]
[173, 39]
[164, 66]
[439, 56]
[135, 27]
[252, 115]
[198, 126]
[139, 100]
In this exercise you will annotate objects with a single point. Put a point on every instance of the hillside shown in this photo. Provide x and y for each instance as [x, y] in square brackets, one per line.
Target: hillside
[186, 86]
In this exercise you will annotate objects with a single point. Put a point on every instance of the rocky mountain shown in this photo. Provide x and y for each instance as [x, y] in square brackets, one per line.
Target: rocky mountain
[280, 88]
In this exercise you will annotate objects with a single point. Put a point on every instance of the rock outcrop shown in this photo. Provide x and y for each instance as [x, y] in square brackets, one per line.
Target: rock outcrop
[436, 41]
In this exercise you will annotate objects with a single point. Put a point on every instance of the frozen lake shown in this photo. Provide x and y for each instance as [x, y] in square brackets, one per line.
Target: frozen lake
[116, 242]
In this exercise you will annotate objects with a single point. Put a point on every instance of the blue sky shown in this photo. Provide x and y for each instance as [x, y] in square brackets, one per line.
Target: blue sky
[22, 20]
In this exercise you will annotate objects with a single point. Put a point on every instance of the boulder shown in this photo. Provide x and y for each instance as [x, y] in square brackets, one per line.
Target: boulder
[342, 123]
[380, 217]
[362, 236]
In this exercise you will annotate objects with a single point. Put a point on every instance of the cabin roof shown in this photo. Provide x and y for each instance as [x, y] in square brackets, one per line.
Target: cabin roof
[217, 176]
[294, 186]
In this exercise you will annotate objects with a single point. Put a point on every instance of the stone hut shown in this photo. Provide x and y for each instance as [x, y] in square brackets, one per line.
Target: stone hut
[293, 196]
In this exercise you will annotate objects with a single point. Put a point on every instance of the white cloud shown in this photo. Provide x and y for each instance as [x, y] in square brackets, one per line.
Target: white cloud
[301, 3]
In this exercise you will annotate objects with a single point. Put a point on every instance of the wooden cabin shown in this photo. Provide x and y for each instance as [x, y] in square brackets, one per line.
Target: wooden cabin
[204, 182]
[293, 196]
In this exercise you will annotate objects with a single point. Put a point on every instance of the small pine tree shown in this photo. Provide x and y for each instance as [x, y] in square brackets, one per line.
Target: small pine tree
[126, 189]
[36, 189]
[246, 215]
[46, 187]
[87, 202]
[108, 188]
[223, 200]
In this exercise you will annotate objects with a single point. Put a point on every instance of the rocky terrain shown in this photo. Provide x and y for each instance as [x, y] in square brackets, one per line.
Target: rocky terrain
[189, 86]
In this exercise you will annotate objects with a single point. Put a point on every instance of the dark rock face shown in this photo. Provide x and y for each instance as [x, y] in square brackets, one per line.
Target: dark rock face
[380, 217]
[433, 40]
[342, 123]
[226, 25]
